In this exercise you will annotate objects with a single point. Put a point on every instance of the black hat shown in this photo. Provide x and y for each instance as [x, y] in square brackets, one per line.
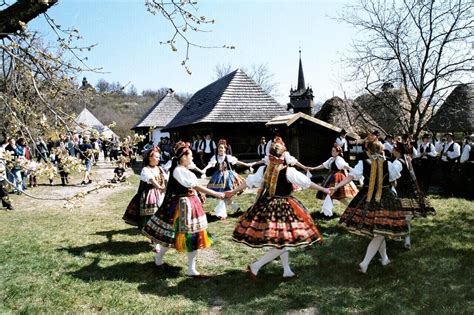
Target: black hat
[449, 134]
[375, 133]
[343, 131]
[426, 136]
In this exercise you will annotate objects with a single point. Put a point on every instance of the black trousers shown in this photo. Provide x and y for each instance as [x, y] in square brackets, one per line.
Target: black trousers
[423, 170]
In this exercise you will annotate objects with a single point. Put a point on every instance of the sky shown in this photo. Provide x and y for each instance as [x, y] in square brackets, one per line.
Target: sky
[263, 32]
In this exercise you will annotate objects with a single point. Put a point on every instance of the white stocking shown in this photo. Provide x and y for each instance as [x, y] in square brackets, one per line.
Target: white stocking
[192, 264]
[408, 238]
[383, 253]
[372, 249]
[159, 255]
[287, 272]
[268, 257]
[235, 206]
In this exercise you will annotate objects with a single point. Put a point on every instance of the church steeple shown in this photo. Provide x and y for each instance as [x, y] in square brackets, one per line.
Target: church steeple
[301, 84]
[301, 99]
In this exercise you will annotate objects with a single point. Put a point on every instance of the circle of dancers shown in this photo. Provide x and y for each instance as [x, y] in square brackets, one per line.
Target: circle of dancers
[168, 207]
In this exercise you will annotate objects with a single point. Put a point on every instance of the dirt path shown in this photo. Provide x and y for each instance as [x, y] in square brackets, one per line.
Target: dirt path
[51, 197]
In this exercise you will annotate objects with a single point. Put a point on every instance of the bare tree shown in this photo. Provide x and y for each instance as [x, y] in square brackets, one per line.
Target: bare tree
[102, 86]
[260, 73]
[221, 70]
[423, 47]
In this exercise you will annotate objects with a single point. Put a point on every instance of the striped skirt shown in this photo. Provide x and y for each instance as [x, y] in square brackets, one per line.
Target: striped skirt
[386, 217]
[276, 222]
[180, 223]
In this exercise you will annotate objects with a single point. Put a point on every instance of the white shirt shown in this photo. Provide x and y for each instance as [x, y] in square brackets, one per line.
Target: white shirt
[343, 143]
[185, 177]
[451, 154]
[208, 145]
[466, 151]
[149, 173]
[292, 175]
[387, 146]
[261, 149]
[423, 146]
[394, 170]
[340, 162]
[231, 159]
[439, 146]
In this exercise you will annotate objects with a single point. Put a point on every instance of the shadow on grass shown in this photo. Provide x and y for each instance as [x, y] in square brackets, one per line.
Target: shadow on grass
[111, 247]
[109, 234]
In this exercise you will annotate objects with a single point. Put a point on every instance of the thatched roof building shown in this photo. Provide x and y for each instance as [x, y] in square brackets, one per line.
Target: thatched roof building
[234, 108]
[389, 108]
[457, 112]
[158, 116]
[347, 114]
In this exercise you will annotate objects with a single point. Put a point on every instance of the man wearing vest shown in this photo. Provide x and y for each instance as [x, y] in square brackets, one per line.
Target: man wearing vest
[208, 149]
[449, 156]
[467, 153]
[388, 146]
[424, 162]
[342, 142]
[261, 149]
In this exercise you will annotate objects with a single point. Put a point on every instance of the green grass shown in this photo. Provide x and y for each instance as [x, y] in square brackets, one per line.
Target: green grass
[88, 260]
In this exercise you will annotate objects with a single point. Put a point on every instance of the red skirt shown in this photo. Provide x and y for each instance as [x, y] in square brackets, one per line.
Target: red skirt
[276, 222]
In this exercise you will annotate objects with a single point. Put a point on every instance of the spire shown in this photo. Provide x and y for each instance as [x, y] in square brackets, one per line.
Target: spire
[301, 84]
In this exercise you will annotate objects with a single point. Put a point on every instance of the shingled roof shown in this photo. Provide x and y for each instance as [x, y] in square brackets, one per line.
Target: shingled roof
[457, 112]
[234, 98]
[160, 114]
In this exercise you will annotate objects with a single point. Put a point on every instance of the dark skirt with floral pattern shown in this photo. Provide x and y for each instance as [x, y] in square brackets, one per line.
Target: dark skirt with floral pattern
[375, 218]
[412, 198]
[180, 223]
[276, 222]
[143, 205]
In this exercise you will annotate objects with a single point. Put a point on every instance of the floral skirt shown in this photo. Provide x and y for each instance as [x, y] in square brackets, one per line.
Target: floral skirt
[412, 199]
[142, 206]
[347, 191]
[180, 223]
[223, 181]
[276, 222]
[375, 218]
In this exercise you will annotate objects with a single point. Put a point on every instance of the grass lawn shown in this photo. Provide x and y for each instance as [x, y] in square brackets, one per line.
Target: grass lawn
[89, 261]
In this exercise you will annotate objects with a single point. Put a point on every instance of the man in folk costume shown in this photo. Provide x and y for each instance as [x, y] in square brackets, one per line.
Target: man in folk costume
[208, 149]
[467, 153]
[261, 148]
[423, 162]
[342, 142]
[450, 153]
[375, 211]
[276, 220]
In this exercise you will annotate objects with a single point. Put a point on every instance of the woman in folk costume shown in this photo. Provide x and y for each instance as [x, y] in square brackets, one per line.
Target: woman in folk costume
[276, 219]
[376, 211]
[412, 199]
[151, 191]
[223, 177]
[337, 167]
[181, 222]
